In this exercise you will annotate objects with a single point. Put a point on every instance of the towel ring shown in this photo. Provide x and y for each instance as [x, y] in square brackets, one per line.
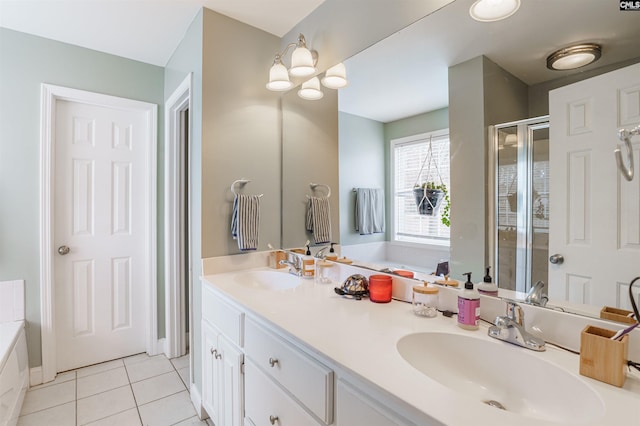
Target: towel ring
[315, 185]
[625, 136]
[241, 182]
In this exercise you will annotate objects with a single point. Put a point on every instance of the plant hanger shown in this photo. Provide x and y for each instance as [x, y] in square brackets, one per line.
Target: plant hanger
[429, 157]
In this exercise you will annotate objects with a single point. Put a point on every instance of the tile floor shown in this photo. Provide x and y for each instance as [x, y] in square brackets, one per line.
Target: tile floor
[138, 390]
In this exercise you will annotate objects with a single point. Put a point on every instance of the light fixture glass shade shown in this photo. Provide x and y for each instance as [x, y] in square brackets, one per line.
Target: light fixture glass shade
[279, 78]
[310, 90]
[493, 10]
[573, 57]
[302, 62]
[335, 77]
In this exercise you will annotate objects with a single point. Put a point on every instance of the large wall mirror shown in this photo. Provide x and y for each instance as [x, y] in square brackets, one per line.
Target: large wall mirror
[402, 82]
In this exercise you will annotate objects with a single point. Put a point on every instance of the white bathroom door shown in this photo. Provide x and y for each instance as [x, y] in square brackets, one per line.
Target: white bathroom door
[594, 211]
[99, 233]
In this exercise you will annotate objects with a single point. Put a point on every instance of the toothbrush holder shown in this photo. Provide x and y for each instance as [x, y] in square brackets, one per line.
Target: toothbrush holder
[602, 358]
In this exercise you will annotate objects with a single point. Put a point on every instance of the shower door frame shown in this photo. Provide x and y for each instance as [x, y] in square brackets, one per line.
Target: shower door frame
[524, 220]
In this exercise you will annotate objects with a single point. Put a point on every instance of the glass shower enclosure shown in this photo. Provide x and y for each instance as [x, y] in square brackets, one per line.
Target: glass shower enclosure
[519, 202]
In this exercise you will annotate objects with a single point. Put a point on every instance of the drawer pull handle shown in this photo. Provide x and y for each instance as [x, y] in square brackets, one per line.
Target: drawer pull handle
[273, 419]
[273, 362]
[215, 353]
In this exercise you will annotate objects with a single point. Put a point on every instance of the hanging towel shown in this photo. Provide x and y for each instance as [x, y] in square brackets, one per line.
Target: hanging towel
[369, 211]
[319, 219]
[245, 221]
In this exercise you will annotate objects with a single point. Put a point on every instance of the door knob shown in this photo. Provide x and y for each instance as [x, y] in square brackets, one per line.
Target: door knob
[273, 419]
[62, 250]
[556, 259]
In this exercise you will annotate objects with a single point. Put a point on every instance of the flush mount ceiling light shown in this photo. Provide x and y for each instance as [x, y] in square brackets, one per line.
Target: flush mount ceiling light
[493, 10]
[573, 57]
[310, 90]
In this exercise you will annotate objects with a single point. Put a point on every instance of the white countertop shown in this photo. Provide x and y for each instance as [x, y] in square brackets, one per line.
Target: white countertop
[361, 337]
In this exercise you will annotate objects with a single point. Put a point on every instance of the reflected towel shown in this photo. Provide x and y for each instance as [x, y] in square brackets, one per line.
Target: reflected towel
[245, 221]
[319, 219]
[369, 211]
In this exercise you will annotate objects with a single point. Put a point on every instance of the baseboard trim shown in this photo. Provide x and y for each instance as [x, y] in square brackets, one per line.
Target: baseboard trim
[196, 400]
[35, 376]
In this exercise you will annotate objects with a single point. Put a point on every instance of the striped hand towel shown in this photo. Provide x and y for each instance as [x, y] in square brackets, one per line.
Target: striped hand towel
[369, 211]
[245, 221]
[319, 219]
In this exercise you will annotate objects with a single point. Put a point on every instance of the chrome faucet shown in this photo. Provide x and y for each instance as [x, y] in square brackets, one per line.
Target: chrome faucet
[510, 328]
[294, 262]
[536, 295]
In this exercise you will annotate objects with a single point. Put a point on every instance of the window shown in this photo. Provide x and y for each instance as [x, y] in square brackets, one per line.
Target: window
[409, 156]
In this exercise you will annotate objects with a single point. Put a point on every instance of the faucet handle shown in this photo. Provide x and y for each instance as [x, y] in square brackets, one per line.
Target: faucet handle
[515, 313]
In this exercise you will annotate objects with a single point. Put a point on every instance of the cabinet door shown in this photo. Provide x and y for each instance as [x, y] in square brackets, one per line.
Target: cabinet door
[231, 384]
[354, 408]
[210, 400]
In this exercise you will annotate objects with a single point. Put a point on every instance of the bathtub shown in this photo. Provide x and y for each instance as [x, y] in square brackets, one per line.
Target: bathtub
[14, 371]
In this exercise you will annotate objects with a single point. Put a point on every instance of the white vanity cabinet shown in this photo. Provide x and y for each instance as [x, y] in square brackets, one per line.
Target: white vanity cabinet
[222, 360]
[255, 374]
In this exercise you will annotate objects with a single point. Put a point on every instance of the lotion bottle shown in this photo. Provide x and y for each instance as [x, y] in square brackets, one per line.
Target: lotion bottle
[487, 287]
[468, 306]
[308, 265]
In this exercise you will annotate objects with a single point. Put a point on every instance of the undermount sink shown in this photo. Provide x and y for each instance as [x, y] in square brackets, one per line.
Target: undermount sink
[268, 280]
[503, 376]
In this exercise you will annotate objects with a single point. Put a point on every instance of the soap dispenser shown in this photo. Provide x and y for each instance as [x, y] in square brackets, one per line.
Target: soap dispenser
[487, 287]
[308, 265]
[468, 306]
[332, 254]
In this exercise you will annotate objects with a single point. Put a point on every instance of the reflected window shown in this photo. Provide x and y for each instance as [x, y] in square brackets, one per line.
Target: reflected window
[417, 160]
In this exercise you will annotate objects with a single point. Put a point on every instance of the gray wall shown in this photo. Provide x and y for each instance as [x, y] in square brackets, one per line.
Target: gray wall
[309, 154]
[26, 61]
[186, 59]
[240, 130]
[362, 164]
[480, 94]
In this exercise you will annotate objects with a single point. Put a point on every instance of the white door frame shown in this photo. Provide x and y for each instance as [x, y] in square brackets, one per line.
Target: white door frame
[174, 284]
[49, 95]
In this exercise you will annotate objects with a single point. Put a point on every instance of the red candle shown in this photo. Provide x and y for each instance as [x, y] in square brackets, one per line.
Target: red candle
[380, 287]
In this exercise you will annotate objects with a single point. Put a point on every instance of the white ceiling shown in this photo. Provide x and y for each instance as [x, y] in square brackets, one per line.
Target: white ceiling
[407, 73]
[403, 75]
[144, 30]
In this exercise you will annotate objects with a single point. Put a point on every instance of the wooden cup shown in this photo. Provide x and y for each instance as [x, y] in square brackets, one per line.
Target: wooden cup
[602, 358]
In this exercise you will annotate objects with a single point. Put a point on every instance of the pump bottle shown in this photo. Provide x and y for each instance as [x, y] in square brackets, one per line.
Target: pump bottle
[487, 286]
[468, 306]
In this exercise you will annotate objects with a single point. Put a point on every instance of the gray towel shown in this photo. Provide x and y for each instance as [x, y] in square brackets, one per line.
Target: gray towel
[319, 219]
[245, 221]
[369, 210]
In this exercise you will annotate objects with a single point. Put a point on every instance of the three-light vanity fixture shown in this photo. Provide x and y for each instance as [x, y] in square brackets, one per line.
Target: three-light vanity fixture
[303, 64]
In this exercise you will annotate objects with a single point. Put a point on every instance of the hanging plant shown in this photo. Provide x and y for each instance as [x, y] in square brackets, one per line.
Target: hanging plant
[429, 197]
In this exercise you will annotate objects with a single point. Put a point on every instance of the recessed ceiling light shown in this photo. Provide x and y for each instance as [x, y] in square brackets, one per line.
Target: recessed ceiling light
[573, 57]
[493, 10]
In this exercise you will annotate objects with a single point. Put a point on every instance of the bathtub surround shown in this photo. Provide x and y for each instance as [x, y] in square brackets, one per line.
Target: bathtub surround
[14, 365]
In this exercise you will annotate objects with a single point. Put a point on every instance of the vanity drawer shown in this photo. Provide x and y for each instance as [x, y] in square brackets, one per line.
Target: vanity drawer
[264, 401]
[224, 316]
[304, 377]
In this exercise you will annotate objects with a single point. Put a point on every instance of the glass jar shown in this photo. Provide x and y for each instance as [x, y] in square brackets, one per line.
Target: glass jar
[325, 272]
[425, 301]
